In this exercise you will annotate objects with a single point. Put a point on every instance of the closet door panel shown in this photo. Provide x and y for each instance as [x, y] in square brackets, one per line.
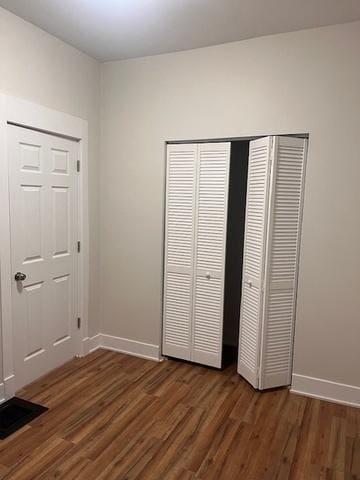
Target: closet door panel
[179, 250]
[254, 259]
[282, 261]
[210, 243]
[208, 317]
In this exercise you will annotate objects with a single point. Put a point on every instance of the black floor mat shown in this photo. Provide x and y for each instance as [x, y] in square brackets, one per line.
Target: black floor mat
[15, 413]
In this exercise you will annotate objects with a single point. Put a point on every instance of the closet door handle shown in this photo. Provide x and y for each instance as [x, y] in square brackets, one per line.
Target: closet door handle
[208, 276]
[249, 282]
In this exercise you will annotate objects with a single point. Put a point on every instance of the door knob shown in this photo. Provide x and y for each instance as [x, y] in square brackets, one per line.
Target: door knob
[20, 277]
[208, 276]
[249, 282]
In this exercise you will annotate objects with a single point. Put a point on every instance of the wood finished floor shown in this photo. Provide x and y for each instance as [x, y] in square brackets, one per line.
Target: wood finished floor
[113, 416]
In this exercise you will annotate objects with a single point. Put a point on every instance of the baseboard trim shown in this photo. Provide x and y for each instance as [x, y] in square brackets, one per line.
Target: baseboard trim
[91, 343]
[131, 347]
[7, 388]
[326, 390]
[122, 345]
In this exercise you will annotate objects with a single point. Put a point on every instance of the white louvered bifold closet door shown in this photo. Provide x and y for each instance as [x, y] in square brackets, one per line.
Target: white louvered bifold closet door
[285, 212]
[253, 259]
[271, 253]
[210, 243]
[179, 250]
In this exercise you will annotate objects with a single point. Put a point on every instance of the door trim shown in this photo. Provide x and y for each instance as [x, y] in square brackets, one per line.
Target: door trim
[36, 117]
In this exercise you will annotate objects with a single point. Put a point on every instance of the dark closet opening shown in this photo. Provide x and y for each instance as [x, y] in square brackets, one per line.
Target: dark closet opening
[239, 159]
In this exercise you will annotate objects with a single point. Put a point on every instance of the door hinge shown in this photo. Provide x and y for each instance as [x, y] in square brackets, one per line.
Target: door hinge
[78, 246]
[78, 165]
[79, 323]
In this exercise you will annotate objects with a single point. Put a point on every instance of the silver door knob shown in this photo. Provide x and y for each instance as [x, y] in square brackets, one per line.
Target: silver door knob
[208, 276]
[20, 277]
[249, 282]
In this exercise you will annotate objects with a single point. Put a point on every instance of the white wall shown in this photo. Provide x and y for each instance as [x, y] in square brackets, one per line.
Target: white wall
[40, 68]
[306, 81]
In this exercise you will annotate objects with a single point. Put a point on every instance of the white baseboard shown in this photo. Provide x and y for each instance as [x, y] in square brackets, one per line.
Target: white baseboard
[7, 388]
[131, 347]
[326, 390]
[92, 343]
[123, 345]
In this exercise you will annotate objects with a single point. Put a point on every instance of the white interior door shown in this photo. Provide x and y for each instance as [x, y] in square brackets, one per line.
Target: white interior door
[210, 244]
[195, 241]
[254, 259]
[282, 254]
[179, 250]
[271, 253]
[43, 206]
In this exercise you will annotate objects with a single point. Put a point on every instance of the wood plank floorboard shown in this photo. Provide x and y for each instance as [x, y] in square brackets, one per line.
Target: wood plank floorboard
[117, 417]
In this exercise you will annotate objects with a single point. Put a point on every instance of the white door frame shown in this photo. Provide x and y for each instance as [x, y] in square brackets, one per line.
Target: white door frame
[37, 117]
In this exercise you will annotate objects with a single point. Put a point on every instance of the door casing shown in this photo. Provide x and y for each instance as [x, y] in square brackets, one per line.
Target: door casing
[36, 117]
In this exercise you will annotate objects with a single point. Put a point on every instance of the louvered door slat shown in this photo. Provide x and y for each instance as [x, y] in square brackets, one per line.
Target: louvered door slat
[210, 242]
[179, 250]
[254, 257]
[282, 259]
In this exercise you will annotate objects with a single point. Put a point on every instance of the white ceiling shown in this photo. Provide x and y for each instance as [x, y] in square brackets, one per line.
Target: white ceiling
[118, 29]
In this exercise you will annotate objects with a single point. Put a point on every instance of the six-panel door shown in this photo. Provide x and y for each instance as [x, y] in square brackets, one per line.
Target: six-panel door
[43, 243]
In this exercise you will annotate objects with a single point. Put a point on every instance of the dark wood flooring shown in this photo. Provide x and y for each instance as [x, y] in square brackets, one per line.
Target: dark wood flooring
[113, 416]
